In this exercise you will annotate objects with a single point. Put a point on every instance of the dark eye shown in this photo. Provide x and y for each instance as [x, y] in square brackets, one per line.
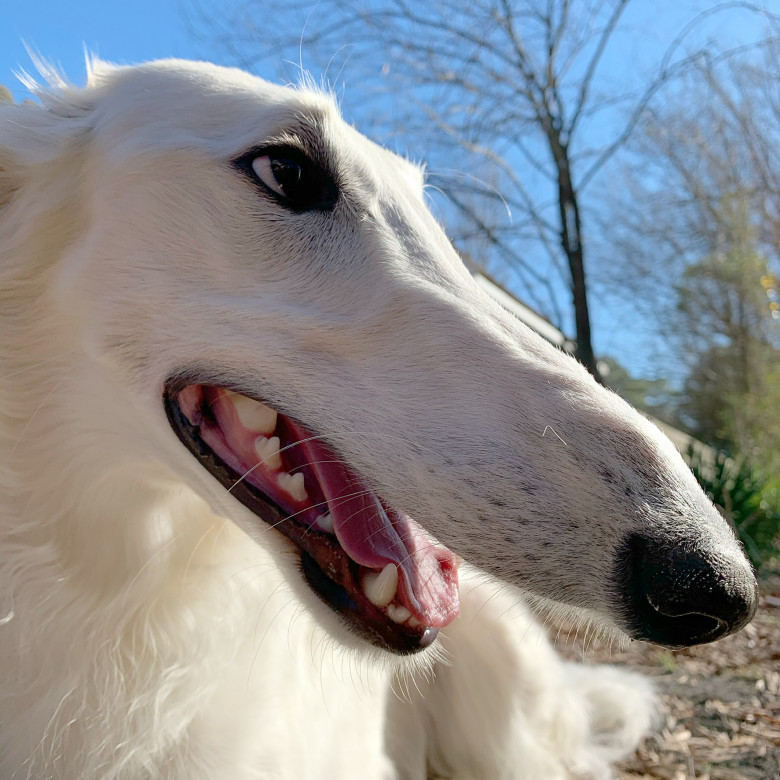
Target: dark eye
[280, 175]
[296, 181]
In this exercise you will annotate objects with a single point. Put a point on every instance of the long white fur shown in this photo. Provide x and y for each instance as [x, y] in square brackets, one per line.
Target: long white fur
[152, 628]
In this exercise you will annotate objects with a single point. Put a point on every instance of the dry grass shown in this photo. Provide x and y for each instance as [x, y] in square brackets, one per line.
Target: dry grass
[721, 703]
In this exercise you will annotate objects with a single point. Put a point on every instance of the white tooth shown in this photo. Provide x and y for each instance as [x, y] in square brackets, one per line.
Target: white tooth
[325, 523]
[398, 614]
[413, 622]
[268, 451]
[293, 485]
[380, 587]
[254, 416]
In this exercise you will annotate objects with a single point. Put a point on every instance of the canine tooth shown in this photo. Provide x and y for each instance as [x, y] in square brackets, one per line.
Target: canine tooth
[268, 451]
[293, 485]
[380, 587]
[398, 614]
[254, 416]
[325, 523]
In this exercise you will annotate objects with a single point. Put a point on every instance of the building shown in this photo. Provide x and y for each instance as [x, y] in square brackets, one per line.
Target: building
[683, 441]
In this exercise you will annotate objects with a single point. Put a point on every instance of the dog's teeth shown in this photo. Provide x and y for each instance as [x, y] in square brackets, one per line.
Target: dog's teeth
[413, 622]
[268, 451]
[292, 484]
[325, 523]
[254, 416]
[380, 587]
[397, 613]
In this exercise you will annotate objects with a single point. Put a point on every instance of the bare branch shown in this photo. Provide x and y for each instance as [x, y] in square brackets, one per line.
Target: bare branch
[590, 70]
[509, 84]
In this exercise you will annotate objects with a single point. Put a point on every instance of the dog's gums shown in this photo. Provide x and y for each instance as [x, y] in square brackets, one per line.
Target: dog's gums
[369, 562]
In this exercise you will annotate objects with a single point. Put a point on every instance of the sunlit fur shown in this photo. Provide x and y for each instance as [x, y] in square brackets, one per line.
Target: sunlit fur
[152, 627]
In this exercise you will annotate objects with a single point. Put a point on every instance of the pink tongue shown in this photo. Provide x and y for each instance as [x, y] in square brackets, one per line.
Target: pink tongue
[374, 536]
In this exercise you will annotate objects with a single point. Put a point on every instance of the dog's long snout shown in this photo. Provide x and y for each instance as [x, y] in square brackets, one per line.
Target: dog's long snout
[679, 597]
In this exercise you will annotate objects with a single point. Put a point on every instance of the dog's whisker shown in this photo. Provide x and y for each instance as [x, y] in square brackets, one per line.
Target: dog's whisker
[340, 500]
[411, 446]
[37, 411]
[335, 504]
[260, 464]
[39, 364]
[300, 466]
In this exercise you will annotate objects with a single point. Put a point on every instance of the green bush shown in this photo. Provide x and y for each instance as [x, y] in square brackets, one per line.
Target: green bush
[749, 500]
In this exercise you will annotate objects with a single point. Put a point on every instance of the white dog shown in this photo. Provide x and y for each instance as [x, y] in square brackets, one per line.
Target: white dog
[252, 405]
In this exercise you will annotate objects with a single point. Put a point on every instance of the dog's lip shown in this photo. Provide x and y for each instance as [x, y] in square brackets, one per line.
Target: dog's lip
[330, 571]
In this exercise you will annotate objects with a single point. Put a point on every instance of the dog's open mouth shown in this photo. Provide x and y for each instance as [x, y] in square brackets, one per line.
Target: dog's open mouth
[369, 562]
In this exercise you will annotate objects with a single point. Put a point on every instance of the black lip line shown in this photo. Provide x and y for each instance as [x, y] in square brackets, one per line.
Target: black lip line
[363, 617]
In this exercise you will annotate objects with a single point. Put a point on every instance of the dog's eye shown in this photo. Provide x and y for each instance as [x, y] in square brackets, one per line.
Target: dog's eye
[296, 181]
[280, 175]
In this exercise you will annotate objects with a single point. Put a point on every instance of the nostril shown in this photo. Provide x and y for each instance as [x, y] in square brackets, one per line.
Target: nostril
[678, 596]
[693, 623]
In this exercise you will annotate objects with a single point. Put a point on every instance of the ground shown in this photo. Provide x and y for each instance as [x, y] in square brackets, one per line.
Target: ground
[721, 703]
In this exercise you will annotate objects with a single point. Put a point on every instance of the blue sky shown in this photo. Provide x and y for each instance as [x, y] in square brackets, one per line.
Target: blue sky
[141, 30]
[124, 32]
[59, 30]
[129, 32]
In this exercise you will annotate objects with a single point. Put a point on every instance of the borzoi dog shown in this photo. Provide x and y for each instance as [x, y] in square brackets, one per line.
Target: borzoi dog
[254, 412]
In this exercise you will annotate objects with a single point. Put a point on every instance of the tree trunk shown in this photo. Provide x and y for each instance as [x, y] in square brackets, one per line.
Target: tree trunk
[571, 241]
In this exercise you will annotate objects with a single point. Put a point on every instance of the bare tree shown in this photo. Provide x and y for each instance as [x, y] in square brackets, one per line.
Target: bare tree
[511, 85]
[514, 89]
[705, 181]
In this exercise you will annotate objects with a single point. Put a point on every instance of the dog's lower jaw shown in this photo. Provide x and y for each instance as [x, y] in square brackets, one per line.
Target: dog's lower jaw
[254, 452]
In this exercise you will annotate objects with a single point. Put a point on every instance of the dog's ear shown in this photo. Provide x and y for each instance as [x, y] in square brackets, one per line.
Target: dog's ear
[34, 134]
[9, 181]
[7, 187]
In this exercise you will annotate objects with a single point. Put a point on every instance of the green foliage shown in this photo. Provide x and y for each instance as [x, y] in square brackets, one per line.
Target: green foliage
[668, 662]
[754, 422]
[746, 497]
[728, 311]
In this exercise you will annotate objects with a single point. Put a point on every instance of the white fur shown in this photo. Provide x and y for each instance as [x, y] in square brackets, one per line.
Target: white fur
[147, 635]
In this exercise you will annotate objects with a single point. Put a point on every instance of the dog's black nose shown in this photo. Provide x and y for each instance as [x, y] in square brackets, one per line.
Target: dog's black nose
[680, 596]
